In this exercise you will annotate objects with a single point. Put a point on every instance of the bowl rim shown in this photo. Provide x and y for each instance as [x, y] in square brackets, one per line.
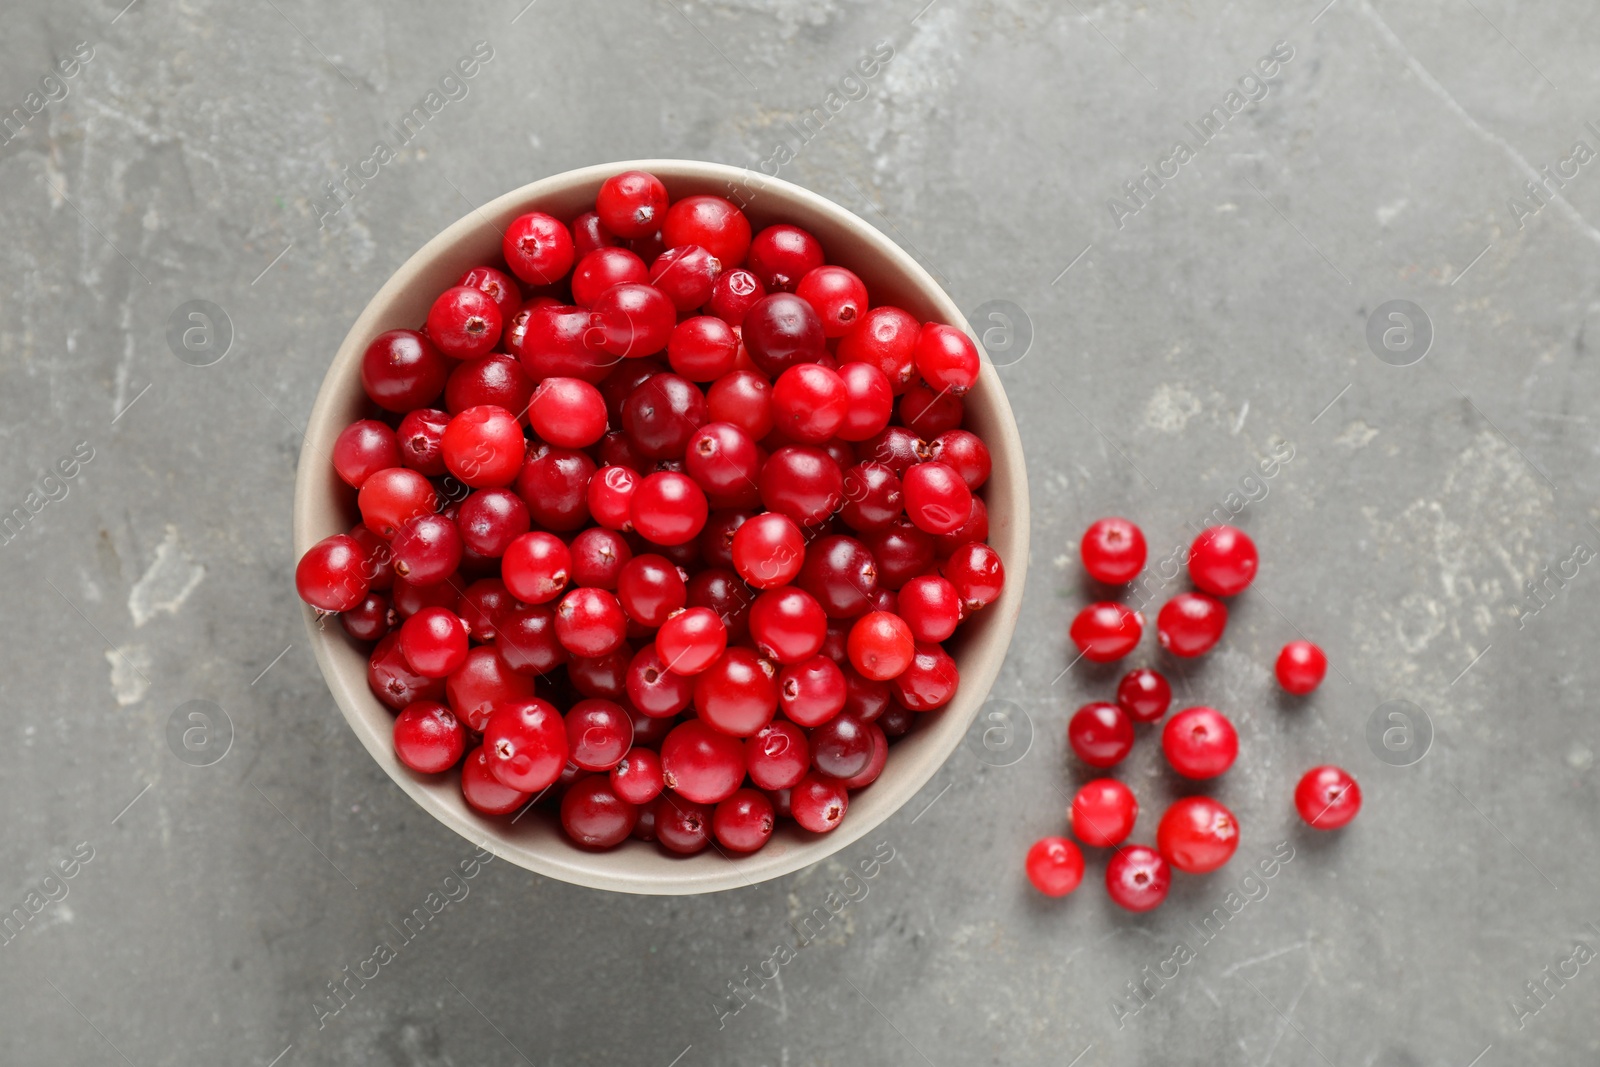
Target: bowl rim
[707, 871]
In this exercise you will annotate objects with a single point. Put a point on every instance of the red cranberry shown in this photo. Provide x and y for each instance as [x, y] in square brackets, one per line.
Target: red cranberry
[724, 593]
[651, 589]
[686, 274]
[1190, 624]
[946, 358]
[977, 573]
[781, 255]
[483, 606]
[538, 248]
[841, 747]
[598, 556]
[331, 576]
[536, 567]
[902, 552]
[702, 764]
[743, 822]
[362, 449]
[1113, 551]
[494, 284]
[483, 683]
[602, 677]
[803, 483]
[930, 413]
[427, 549]
[873, 497]
[778, 755]
[1327, 798]
[966, 453]
[589, 233]
[410, 599]
[866, 698]
[401, 370]
[1300, 667]
[1100, 734]
[637, 779]
[1200, 742]
[1223, 560]
[818, 804]
[722, 459]
[610, 495]
[484, 447]
[378, 565]
[876, 763]
[654, 689]
[600, 269]
[1137, 878]
[525, 743]
[896, 721]
[393, 681]
[780, 331]
[839, 297]
[743, 398]
[594, 816]
[691, 640]
[370, 619]
[420, 436]
[590, 622]
[812, 691]
[703, 348]
[526, 639]
[485, 793]
[716, 540]
[554, 484]
[896, 448]
[553, 345]
[1103, 813]
[599, 734]
[1055, 866]
[929, 682]
[885, 337]
[869, 402]
[428, 738]
[567, 412]
[682, 826]
[464, 322]
[733, 294]
[809, 403]
[390, 497]
[1197, 835]
[737, 694]
[1107, 631]
[712, 223]
[630, 320]
[1144, 694]
[930, 607]
[434, 642]
[669, 508]
[841, 574]
[631, 204]
[787, 624]
[490, 519]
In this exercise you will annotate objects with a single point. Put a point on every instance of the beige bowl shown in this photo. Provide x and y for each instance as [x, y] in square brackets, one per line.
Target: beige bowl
[324, 505]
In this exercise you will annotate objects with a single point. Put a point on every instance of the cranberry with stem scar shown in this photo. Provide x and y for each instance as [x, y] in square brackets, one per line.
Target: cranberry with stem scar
[525, 744]
[1327, 798]
[1113, 551]
[1137, 878]
[428, 738]
[1197, 835]
[700, 763]
[1200, 742]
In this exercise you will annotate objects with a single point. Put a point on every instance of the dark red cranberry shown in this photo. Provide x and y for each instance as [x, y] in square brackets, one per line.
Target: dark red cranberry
[780, 331]
[841, 574]
[401, 370]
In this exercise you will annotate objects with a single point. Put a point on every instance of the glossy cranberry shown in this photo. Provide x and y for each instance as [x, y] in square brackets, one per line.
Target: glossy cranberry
[896, 721]
[485, 793]
[977, 574]
[526, 639]
[599, 734]
[965, 453]
[1101, 734]
[525, 742]
[427, 549]
[841, 747]
[726, 594]
[818, 804]
[869, 402]
[553, 345]
[1197, 835]
[722, 459]
[603, 677]
[371, 619]
[567, 412]
[929, 412]
[809, 403]
[780, 331]
[841, 574]
[873, 497]
[600, 269]
[496, 285]
[590, 622]
[686, 274]
[937, 500]
[902, 552]
[538, 248]
[589, 233]
[428, 738]
[662, 415]
[377, 565]
[976, 528]
[781, 255]
[930, 607]
[837, 295]
[653, 688]
[392, 680]
[484, 447]
[464, 322]
[401, 370]
[896, 448]
[778, 755]
[866, 698]
[1144, 694]
[483, 682]
[929, 682]
[1223, 560]
[733, 294]
[1107, 631]
[947, 359]
[1300, 667]
[409, 599]
[650, 589]
[1327, 797]
[1190, 624]
[885, 337]
[787, 624]
[1054, 866]
[1137, 878]
[768, 550]
[389, 497]
[875, 763]
[594, 816]
[1103, 813]
[630, 320]
[420, 436]
[331, 576]
[691, 640]
[609, 497]
[490, 520]
[515, 330]
[637, 779]
[743, 398]
[1113, 551]
[536, 567]
[711, 222]
[738, 693]
[554, 484]
[812, 691]
[744, 821]
[700, 763]
[598, 556]
[681, 825]
[803, 483]
[362, 449]
[483, 606]
[434, 642]
[631, 204]
[703, 348]
[1200, 742]
[647, 248]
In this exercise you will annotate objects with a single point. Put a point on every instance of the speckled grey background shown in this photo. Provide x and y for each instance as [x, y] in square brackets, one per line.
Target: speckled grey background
[1223, 320]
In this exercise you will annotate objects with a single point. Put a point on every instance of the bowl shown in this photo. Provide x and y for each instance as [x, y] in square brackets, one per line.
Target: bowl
[324, 505]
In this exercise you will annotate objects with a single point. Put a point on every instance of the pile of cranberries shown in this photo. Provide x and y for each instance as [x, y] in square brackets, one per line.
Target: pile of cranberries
[1197, 834]
[662, 521]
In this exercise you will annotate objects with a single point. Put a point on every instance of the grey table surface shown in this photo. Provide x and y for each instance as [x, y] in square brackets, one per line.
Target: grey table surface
[1157, 352]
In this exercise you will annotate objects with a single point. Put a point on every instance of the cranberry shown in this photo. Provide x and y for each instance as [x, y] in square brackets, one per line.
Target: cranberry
[875, 764]
[743, 822]
[630, 320]
[810, 403]
[1107, 631]
[651, 589]
[896, 721]
[600, 269]
[370, 619]
[722, 459]
[1137, 878]
[1197, 835]
[428, 738]
[568, 412]
[483, 606]
[1113, 551]
[1144, 694]
[401, 370]
[768, 550]
[818, 804]
[410, 599]
[702, 764]
[1103, 813]
[929, 413]
[781, 255]
[712, 223]
[420, 437]
[682, 826]
[653, 688]
[977, 574]
[464, 322]
[1191, 623]
[885, 337]
[599, 734]
[631, 204]
[554, 345]
[787, 624]
[1301, 667]
[946, 358]
[594, 816]
[1101, 734]
[929, 682]
[930, 607]
[538, 248]
[778, 755]
[1200, 742]
[686, 274]
[484, 447]
[598, 556]
[841, 574]
[1055, 866]
[896, 448]
[716, 540]
[525, 743]
[393, 681]
[610, 494]
[389, 497]
[483, 683]
[780, 331]
[881, 645]
[837, 295]
[873, 497]
[637, 779]
[378, 563]
[703, 348]
[743, 398]
[724, 593]
[662, 414]
[803, 483]
[434, 642]
[965, 453]
[603, 677]
[733, 294]
[427, 549]
[902, 552]
[494, 284]
[1223, 560]
[485, 793]
[841, 747]
[490, 520]
[362, 449]
[691, 640]
[331, 576]
[554, 484]
[590, 622]
[589, 233]
[536, 567]
[526, 639]
[1327, 798]
[669, 508]
[812, 691]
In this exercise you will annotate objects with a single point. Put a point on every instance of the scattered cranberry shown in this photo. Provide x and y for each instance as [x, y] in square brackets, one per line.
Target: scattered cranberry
[1327, 798]
[1107, 631]
[1101, 734]
[1197, 835]
[1144, 694]
[1137, 878]
[1190, 624]
[1055, 866]
[1113, 551]
[1103, 813]
[1200, 742]
[1223, 560]
[1301, 667]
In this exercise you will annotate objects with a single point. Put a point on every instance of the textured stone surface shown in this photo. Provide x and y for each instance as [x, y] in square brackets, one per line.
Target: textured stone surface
[1225, 319]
